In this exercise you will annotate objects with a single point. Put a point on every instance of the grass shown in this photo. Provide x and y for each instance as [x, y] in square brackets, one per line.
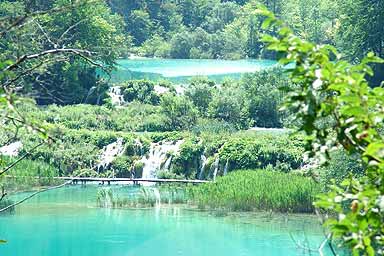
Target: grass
[254, 190]
[145, 197]
[27, 174]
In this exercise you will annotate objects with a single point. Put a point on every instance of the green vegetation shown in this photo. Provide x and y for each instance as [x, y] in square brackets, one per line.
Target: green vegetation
[345, 112]
[71, 79]
[143, 197]
[235, 104]
[58, 53]
[258, 190]
[28, 174]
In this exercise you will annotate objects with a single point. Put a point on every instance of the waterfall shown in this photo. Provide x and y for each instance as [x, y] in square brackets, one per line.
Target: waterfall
[117, 99]
[11, 149]
[167, 164]
[138, 147]
[202, 167]
[226, 167]
[160, 89]
[109, 153]
[157, 155]
[216, 167]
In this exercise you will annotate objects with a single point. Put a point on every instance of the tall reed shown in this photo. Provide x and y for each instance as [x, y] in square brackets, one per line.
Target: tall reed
[257, 190]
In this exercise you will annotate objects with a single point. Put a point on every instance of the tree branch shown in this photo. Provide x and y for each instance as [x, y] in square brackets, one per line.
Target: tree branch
[24, 58]
[38, 192]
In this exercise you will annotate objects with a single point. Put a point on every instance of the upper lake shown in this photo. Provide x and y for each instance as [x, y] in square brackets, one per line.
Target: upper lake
[180, 70]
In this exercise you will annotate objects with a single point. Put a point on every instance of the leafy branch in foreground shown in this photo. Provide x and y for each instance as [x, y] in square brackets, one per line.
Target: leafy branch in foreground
[335, 107]
[34, 42]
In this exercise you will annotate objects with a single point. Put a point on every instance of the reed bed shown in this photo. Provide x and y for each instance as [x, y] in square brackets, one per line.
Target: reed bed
[258, 190]
[145, 197]
[27, 175]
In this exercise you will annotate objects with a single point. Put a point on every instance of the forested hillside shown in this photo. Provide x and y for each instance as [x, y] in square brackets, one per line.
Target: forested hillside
[173, 29]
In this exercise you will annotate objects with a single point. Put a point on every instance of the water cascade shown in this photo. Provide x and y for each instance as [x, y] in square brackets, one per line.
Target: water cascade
[138, 147]
[157, 156]
[117, 99]
[160, 89]
[11, 149]
[167, 164]
[109, 153]
[202, 167]
[215, 167]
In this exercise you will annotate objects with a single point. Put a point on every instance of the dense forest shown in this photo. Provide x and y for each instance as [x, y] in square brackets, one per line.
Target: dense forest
[174, 29]
[271, 140]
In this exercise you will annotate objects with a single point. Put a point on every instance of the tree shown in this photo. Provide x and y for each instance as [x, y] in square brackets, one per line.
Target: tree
[181, 44]
[156, 46]
[90, 25]
[200, 93]
[262, 91]
[140, 90]
[334, 92]
[361, 31]
[22, 59]
[140, 26]
[229, 104]
[180, 112]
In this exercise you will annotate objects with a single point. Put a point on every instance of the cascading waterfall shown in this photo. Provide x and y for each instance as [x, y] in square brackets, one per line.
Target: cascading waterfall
[109, 153]
[11, 149]
[117, 99]
[160, 89]
[215, 167]
[157, 155]
[203, 160]
[167, 164]
[226, 168]
[138, 147]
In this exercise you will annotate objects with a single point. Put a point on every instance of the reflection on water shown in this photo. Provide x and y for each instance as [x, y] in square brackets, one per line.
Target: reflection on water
[67, 222]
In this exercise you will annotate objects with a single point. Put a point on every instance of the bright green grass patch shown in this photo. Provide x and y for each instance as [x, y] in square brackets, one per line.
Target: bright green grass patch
[258, 190]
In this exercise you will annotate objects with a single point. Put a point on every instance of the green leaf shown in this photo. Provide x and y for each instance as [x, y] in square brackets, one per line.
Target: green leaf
[375, 149]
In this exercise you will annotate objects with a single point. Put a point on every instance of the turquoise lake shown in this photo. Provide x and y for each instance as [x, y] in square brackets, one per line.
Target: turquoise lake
[67, 222]
[181, 70]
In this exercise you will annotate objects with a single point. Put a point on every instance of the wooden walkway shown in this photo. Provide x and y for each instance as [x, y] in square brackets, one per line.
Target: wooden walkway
[135, 181]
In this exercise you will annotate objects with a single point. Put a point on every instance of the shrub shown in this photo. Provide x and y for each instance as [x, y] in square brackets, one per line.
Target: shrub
[180, 112]
[262, 90]
[139, 90]
[259, 150]
[229, 104]
[28, 174]
[200, 93]
[121, 165]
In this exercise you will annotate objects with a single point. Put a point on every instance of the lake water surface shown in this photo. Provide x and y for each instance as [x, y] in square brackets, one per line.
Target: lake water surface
[66, 222]
[180, 70]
